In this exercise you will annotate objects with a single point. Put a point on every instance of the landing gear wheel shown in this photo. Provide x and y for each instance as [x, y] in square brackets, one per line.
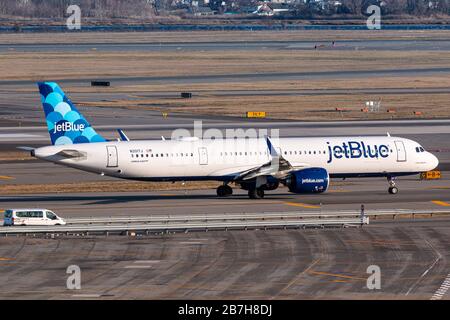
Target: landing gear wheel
[260, 193]
[393, 190]
[256, 193]
[224, 191]
[252, 194]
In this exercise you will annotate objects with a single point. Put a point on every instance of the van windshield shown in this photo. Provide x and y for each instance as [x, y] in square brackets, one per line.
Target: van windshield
[51, 215]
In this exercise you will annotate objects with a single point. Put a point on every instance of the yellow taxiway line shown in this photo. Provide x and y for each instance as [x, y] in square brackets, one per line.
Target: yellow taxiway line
[6, 178]
[303, 205]
[441, 203]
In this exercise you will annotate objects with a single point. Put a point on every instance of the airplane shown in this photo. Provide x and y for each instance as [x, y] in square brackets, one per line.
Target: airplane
[303, 165]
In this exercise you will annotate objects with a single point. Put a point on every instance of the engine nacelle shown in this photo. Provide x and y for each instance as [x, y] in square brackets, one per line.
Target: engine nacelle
[310, 180]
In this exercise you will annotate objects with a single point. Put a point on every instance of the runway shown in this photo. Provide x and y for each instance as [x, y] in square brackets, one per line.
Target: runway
[347, 195]
[254, 77]
[368, 44]
[277, 264]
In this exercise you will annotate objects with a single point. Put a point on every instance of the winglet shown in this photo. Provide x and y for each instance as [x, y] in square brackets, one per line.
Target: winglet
[122, 135]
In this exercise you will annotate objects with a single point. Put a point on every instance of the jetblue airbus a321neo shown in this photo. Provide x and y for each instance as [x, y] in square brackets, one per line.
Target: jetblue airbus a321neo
[303, 165]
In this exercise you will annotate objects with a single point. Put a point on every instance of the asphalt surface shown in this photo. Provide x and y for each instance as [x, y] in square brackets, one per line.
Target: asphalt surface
[372, 45]
[254, 77]
[342, 195]
[413, 258]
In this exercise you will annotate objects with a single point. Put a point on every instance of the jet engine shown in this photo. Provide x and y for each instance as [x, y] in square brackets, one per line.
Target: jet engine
[310, 180]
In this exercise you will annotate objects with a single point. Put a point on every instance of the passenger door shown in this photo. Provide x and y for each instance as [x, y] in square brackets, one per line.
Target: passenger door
[203, 156]
[112, 157]
[401, 151]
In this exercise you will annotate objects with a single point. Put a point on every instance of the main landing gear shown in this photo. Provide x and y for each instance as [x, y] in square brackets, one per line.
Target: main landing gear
[224, 191]
[256, 193]
[392, 188]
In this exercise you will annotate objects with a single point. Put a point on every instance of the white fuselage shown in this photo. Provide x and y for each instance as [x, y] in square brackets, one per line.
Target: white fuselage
[196, 159]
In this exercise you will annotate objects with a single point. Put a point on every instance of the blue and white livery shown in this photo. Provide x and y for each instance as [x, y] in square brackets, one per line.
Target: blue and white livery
[303, 165]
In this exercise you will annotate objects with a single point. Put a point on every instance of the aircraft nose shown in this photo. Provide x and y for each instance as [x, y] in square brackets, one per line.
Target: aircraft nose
[434, 161]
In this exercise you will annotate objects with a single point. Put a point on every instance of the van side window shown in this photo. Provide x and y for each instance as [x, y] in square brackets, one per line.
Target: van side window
[29, 214]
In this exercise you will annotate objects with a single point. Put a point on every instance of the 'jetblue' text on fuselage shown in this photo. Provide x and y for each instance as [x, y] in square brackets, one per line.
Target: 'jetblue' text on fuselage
[355, 150]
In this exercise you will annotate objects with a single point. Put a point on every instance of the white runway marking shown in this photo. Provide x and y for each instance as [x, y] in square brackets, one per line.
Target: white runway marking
[86, 295]
[147, 261]
[438, 257]
[192, 243]
[442, 289]
[137, 267]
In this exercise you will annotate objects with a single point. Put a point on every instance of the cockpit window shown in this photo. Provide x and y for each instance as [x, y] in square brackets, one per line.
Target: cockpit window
[422, 149]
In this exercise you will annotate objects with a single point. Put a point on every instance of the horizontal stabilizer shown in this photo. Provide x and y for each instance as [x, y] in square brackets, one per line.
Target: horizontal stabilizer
[25, 148]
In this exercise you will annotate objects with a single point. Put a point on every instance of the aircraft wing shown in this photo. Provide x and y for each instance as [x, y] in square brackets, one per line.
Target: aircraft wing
[278, 167]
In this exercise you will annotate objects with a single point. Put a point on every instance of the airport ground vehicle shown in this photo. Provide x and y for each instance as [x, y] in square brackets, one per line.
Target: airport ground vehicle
[31, 217]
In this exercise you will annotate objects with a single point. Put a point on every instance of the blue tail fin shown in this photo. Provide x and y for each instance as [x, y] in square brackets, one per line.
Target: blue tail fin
[66, 125]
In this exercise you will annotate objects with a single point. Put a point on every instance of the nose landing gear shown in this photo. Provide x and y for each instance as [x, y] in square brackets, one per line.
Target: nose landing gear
[224, 191]
[392, 188]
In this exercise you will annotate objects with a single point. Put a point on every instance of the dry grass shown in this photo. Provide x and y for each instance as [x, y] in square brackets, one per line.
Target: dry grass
[107, 186]
[51, 65]
[207, 95]
[15, 156]
[207, 99]
[115, 186]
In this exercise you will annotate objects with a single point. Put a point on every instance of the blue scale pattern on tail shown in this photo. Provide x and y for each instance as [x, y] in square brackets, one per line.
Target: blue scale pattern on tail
[66, 125]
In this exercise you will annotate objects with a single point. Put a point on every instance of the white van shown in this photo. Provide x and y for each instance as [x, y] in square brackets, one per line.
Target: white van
[31, 217]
